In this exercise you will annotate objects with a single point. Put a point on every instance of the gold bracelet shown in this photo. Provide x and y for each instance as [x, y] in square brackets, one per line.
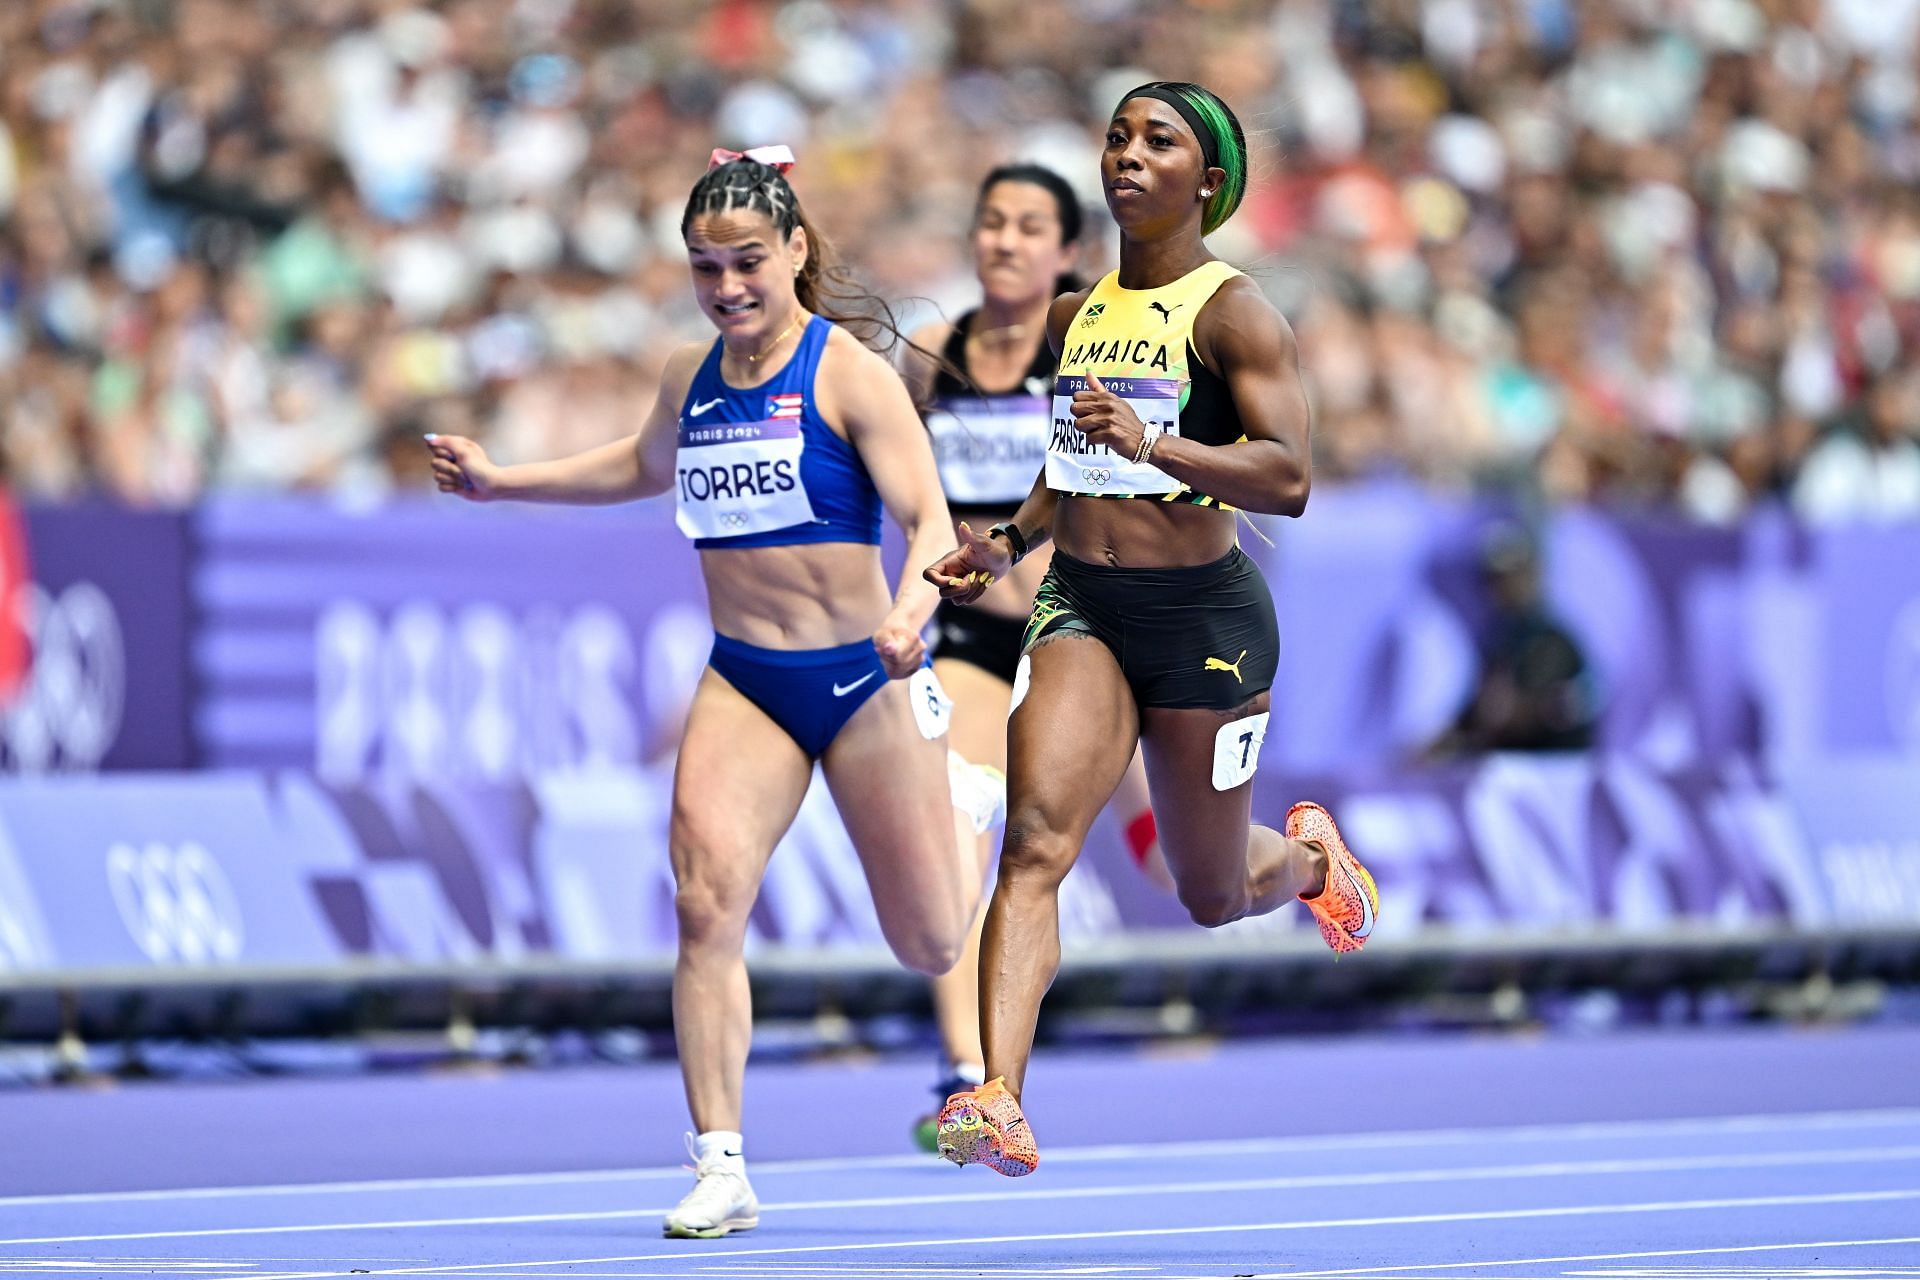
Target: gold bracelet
[1141, 454]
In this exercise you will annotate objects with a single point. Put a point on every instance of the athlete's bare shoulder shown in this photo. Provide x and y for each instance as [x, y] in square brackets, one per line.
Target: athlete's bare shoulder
[681, 367]
[1061, 313]
[846, 355]
[1239, 324]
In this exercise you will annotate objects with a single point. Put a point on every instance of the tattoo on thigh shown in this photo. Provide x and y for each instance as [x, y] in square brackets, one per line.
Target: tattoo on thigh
[1252, 706]
[1060, 633]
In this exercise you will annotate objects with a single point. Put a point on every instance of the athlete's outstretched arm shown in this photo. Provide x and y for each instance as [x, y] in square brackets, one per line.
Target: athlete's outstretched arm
[1034, 520]
[861, 391]
[964, 573]
[638, 466]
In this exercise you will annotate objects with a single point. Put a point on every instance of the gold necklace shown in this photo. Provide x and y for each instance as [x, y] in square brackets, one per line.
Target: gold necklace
[1004, 336]
[766, 350]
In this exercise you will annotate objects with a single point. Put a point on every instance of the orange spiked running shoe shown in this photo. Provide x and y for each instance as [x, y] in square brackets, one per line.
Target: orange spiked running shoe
[985, 1126]
[1348, 904]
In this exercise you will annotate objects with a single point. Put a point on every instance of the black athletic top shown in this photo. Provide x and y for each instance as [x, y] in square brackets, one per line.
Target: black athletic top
[989, 445]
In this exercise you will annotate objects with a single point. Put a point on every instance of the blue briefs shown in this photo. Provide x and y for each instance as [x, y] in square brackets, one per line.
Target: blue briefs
[811, 693]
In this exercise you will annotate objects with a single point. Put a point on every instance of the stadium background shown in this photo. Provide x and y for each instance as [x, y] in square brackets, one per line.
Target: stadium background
[1630, 292]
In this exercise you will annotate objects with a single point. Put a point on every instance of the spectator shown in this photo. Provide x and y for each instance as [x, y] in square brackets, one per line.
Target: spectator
[1535, 690]
[1868, 467]
[1667, 255]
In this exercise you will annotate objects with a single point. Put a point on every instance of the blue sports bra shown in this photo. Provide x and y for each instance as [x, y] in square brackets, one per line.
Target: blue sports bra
[759, 467]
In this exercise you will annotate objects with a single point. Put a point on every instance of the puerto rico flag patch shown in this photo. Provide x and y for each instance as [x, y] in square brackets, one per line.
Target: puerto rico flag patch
[786, 405]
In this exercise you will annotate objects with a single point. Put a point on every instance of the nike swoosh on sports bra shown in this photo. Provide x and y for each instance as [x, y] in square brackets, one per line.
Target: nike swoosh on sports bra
[759, 467]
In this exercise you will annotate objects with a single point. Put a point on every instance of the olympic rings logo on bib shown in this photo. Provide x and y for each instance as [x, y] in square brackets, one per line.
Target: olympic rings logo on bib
[1155, 401]
[751, 467]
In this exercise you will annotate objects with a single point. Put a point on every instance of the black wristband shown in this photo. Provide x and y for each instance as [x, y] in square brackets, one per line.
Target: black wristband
[1016, 541]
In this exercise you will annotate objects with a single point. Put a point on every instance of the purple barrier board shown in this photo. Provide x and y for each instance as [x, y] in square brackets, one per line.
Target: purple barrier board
[1765, 640]
[427, 640]
[106, 620]
[252, 869]
[151, 870]
[440, 641]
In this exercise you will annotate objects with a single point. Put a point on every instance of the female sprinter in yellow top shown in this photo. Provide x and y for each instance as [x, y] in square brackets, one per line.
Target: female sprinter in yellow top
[988, 413]
[1178, 400]
[781, 442]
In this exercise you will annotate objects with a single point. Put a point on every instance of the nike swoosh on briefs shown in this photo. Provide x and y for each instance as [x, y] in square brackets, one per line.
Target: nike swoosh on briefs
[699, 409]
[840, 692]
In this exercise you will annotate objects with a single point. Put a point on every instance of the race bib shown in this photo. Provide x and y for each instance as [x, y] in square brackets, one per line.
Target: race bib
[932, 708]
[1236, 751]
[735, 478]
[989, 451]
[1075, 466]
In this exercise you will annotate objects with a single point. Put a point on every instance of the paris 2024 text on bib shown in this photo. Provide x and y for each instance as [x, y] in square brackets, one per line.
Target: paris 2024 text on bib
[1074, 465]
[735, 478]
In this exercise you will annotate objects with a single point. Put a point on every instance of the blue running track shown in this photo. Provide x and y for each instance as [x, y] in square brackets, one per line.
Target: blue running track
[1681, 1155]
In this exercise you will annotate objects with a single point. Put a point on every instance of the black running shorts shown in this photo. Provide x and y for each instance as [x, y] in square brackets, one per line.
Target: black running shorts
[1198, 636]
[988, 641]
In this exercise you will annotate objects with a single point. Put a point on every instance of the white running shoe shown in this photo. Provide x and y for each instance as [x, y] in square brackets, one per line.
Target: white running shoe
[979, 791]
[721, 1201]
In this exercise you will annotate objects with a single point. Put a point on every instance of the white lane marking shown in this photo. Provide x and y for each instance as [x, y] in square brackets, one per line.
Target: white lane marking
[907, 1271]
[1302, 1182]
[1287, 1182]
[1589, 1257]
[1732, 1271]
[143, 1266]
[1584, 1131]
[1306, 1224]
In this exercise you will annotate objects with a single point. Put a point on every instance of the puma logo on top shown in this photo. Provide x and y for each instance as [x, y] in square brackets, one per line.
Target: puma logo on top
[1166, 313]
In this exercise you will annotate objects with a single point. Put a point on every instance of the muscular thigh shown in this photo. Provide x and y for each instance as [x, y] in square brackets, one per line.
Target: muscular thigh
[1070, 738]
[737, 783]
[890, 783]
[1202, 826]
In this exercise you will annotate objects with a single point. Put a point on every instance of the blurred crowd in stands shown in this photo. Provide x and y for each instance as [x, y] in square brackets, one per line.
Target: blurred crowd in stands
[1661, 253]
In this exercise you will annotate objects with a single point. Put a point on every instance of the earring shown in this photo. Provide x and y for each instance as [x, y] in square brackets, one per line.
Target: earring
[1204, 193]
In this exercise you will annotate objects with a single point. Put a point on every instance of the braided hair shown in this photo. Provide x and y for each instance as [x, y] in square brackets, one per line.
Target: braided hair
[823, 286]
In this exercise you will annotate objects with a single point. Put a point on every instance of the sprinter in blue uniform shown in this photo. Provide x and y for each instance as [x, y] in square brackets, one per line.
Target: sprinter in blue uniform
[781, 443]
